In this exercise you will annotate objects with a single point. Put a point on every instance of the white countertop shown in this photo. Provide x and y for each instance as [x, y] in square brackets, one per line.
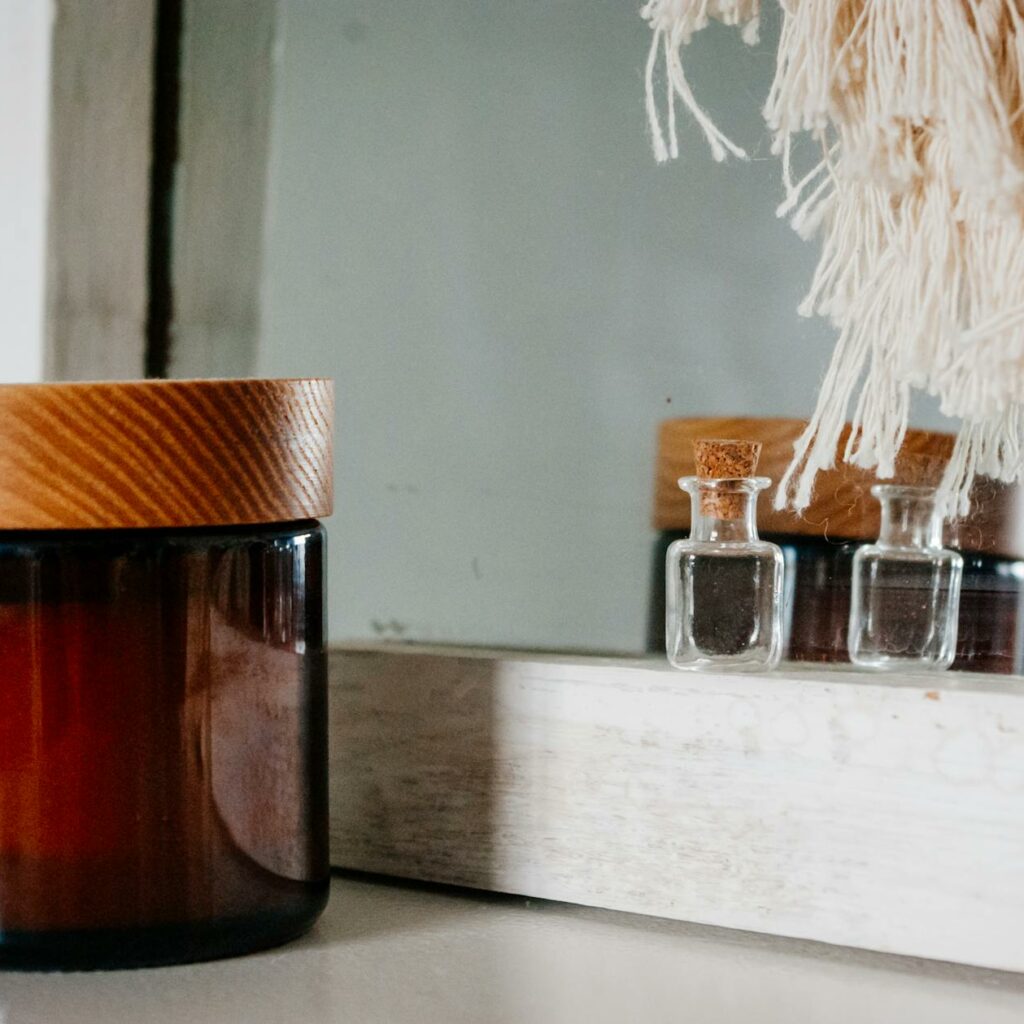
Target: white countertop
[393, 953]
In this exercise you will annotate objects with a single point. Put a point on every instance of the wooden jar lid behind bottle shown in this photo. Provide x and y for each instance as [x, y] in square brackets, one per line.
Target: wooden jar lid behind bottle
[842, 507]
[109, 455]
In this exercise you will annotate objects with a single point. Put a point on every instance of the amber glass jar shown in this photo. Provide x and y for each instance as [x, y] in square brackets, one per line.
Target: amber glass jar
[163, 755]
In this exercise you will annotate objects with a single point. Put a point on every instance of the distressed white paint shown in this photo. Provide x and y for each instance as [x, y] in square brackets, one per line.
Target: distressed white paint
[848, 808]
[25, 37]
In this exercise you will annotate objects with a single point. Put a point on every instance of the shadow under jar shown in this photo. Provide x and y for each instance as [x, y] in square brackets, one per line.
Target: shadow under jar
[163, 753]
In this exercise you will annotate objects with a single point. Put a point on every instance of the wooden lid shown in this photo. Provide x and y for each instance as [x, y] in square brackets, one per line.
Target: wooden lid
[105, 455]
[842, 507]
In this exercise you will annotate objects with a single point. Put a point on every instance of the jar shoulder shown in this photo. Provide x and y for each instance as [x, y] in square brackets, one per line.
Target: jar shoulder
[728, 549]
[869, 553]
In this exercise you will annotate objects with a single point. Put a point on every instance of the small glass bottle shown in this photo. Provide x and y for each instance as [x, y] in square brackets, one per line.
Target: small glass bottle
[906, 588]
[724, 585]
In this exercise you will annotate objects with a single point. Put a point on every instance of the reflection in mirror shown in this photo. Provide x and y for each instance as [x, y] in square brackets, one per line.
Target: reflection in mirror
[867, 563]
[463, 225]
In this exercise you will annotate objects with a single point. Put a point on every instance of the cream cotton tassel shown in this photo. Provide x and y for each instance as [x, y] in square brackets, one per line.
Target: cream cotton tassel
[673, 23]
[916, 108]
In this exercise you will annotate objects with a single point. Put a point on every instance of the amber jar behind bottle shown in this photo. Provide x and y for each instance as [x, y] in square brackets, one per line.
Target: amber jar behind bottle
[163, 753]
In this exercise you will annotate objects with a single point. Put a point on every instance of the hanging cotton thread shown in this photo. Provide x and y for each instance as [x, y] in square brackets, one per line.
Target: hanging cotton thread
[916, 108]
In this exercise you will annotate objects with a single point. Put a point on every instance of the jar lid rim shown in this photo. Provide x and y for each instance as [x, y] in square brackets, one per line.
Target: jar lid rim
[158, 453]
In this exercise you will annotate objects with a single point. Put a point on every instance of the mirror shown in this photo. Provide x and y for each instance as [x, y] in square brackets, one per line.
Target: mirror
[465, 227]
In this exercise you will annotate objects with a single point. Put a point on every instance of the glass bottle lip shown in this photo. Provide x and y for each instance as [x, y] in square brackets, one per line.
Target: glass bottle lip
[732, 485]
[915, 492]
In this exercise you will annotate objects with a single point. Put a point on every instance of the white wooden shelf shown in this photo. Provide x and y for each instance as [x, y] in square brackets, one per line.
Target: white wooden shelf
[863, 810]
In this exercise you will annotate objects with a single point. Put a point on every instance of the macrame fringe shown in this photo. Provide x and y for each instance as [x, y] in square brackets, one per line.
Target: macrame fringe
[673, 23]
[917, 111]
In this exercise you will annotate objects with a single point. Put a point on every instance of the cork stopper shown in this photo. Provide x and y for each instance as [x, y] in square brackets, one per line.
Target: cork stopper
[719, 459]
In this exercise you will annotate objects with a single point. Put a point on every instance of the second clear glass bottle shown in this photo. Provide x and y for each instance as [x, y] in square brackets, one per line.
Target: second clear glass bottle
[905, 594]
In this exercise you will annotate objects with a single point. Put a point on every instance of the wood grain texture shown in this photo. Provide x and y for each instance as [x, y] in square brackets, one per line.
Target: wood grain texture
[884, 813]
[100, 140]
[164, 453]
[842, 506]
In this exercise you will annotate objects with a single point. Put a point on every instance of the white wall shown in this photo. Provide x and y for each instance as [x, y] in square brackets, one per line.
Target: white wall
[467, 230]
[25, 33]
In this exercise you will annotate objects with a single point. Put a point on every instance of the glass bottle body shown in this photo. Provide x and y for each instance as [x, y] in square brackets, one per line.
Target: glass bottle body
[905, 595]
[724, 597]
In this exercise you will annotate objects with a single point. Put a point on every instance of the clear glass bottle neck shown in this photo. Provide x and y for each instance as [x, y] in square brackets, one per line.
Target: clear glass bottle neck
[724, 511]
[910, 517]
